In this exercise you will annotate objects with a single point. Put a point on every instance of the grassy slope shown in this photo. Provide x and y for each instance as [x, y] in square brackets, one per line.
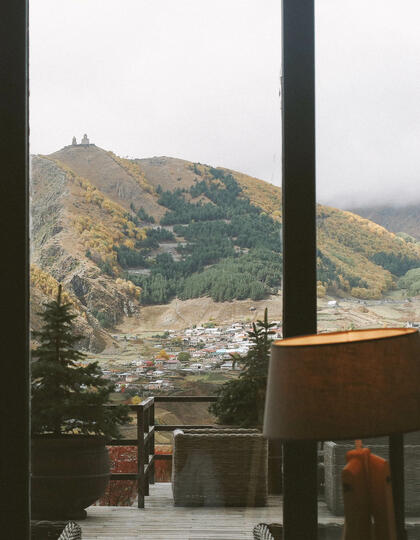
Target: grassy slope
[111, 183]
[347, 239]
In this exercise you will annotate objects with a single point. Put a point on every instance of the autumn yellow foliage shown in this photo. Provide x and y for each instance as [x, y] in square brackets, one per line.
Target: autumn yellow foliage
[321, 290]
[129, 288]
[349, 241]
[47, 284]
[163, 354]
[260, 193]
[100, 237]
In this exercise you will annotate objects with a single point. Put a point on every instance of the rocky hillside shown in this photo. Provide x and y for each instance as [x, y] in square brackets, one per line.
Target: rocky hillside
[43, 289]
[69, 218]
[119, 233]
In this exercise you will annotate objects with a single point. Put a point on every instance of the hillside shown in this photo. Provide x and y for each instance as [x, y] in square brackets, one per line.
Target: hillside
[122, 233]
[405, 219]
[43, 289]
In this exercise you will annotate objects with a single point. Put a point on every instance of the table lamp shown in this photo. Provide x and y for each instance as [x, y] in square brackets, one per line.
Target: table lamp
[344, 385]
[347, 385]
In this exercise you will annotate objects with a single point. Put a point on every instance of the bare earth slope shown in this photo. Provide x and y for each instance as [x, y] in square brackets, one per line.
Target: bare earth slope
[107, 172]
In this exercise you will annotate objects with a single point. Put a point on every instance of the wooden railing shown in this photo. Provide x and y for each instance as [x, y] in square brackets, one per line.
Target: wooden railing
[145, 441]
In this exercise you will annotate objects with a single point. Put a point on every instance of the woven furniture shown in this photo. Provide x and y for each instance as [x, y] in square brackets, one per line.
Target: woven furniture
[55, 530]
[219, 467]
[335, 459]
[262, 531]
[72, 531]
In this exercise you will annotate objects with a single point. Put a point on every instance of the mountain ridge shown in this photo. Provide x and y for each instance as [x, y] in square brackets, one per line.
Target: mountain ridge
[117, 232]
[397, 219]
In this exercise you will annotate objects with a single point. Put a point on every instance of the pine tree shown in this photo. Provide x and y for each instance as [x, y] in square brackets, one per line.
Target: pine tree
[67, 397]
[241, 401]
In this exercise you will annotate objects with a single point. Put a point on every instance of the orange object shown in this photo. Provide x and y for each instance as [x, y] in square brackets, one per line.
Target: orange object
[381, 500]
[368, 502]
[358, 521]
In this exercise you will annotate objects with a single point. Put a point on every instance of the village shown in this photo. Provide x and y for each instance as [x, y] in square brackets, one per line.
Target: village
[170, 361]
[159, 363]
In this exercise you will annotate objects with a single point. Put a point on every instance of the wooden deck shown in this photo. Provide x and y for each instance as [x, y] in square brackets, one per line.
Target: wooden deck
[161, 520]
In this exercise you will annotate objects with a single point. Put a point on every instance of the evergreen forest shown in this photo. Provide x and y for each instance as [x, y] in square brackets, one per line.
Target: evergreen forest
[227, 247]
[230, 249]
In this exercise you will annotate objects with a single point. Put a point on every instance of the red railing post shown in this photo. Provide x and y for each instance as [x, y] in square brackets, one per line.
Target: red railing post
[140, 456]
[145, 441]
[152, 443]
[146, 447]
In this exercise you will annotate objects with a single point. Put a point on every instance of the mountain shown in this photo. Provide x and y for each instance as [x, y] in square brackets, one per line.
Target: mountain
[119, 233]
[398, 219]
[44, 288]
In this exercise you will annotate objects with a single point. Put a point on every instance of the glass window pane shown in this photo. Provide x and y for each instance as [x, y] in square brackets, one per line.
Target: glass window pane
[156, 203]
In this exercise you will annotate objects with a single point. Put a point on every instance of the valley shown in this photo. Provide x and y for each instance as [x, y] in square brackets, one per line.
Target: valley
[159, 244]
[185, 348]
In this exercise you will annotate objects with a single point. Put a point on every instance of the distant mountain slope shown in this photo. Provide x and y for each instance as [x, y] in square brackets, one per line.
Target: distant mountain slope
[118, 179]
[71, 218]
[119, 232]
[44, 289]
[394, 218]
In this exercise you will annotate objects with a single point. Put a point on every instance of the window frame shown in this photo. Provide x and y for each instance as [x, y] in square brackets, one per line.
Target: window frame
[299, 283]
[14, 151]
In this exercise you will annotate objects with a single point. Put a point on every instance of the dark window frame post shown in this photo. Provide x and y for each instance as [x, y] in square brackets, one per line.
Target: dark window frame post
[14, 430]
[300, 510]
[299, 261]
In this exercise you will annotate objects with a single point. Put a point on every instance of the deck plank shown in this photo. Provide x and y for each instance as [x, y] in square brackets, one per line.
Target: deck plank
[161, 520]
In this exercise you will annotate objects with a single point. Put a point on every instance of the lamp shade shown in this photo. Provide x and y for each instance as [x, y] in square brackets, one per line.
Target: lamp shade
[344, 385]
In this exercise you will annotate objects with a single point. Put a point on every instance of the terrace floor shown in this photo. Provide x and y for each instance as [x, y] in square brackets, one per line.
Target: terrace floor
[161, 520]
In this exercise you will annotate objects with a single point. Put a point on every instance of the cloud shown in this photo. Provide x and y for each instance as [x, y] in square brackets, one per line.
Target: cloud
[200, 81]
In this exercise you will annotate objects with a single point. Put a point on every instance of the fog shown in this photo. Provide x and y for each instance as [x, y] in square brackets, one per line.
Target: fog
[199, 80]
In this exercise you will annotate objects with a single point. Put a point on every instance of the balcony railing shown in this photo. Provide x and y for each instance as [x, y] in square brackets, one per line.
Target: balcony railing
[145, 441]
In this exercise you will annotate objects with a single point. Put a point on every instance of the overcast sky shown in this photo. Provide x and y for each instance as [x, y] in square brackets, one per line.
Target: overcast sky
[199, 80]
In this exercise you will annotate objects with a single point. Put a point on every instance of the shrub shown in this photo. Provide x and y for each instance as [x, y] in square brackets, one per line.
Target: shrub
[241, 401]
[68, 398]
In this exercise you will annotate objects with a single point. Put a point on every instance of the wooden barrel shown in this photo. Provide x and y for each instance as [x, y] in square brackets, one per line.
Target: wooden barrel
[68, 475]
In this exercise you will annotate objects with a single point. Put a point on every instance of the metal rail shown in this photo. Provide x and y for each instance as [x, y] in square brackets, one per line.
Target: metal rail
[145, 442]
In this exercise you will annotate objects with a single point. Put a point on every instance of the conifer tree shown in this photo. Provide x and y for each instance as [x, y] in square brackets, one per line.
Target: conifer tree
[241, 401]
[67, 397]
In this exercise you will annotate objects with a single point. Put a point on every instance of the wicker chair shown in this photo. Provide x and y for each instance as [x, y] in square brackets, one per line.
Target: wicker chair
[219, 467]
[55, 530]
[262, 531]
[72, 531]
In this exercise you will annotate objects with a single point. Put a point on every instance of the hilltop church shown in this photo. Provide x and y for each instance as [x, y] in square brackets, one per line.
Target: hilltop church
[83, 142]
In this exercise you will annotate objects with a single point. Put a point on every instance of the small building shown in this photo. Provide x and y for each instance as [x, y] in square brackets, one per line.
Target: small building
[196, 367]
[172, 363]
[85, 140]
